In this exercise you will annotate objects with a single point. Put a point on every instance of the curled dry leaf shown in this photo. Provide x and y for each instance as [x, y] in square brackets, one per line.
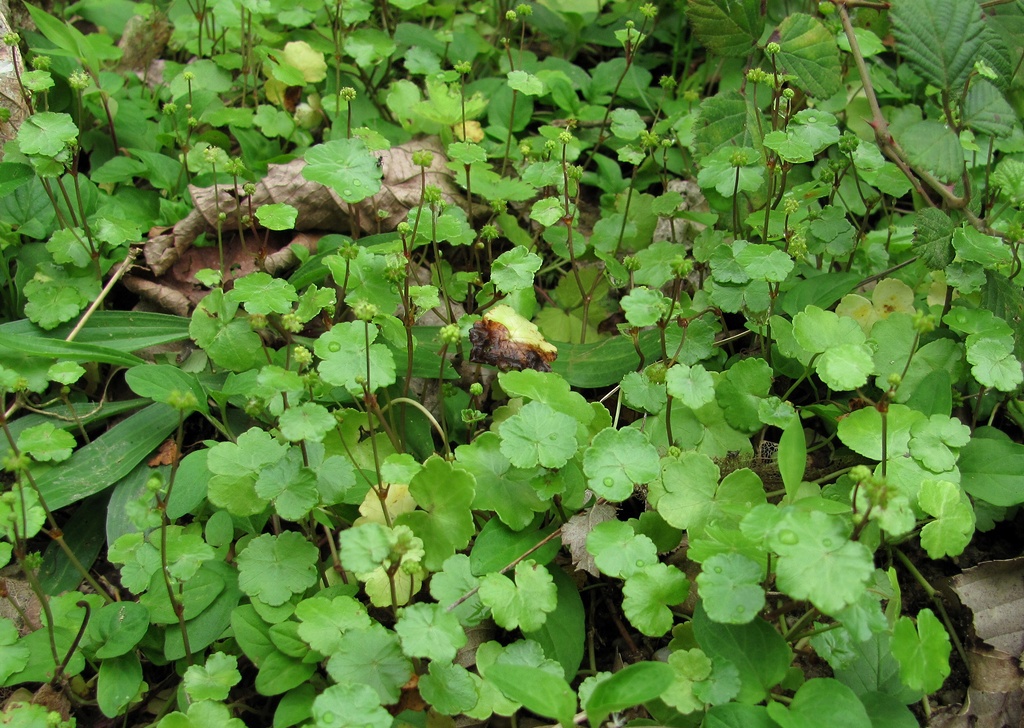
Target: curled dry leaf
[576, 530]
[319, 207]
[11, 98]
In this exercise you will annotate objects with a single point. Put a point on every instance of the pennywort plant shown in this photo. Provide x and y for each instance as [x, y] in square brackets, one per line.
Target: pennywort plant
[669, 351]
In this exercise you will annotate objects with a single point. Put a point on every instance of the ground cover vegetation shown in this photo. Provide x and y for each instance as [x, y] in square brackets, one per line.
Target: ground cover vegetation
[405, 363]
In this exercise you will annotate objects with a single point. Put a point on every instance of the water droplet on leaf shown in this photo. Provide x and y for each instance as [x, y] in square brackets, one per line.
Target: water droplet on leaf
[609, 482]
[334, 346]
[789, 537]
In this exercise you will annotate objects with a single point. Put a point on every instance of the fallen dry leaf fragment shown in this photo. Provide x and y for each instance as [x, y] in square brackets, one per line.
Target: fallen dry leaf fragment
[576, 530]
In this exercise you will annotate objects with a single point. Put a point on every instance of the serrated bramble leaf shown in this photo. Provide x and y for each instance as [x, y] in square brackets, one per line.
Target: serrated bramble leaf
[940, 38]
[809, 51]
[726, 27]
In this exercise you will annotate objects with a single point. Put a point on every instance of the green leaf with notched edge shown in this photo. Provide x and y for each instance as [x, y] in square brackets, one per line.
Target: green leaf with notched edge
[940, 38]
[648, 594]
[922, 651]
[758, 651]
[809, 52]
[819, 697]
[540, 691]
[619, 460]
[618, 551]
[429, 630]
[524, 603]
[443, 520]
[1005, 299]
[346, 166]
[727, 27]
[372, 657]
[538, 435]
[633, 685]
[730, 587]
[951, 531]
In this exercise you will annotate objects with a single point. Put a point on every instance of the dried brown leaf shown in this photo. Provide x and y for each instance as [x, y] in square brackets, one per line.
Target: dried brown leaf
[576, 530]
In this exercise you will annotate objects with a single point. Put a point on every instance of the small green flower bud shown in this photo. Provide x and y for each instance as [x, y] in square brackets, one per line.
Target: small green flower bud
[450, 335]
[432, 195]
[772, 48]
[860, 473]
[924, 323]
[630, 25]
[302, 356]
[738, 159]
[222, 216]
[848, 143]
[182, 401]
[291, 323]
[41, 63]
[524, 10]
[657, 372]
[189, 76]
[649, 10]
[565, 137]
[788, 94]
[404, 229]
[690, 96]
[826, 8]
[11, 38]
[422, 158]
[681, 266]
[463, 67]
[192, 122]
[649, 139]
[476, 389]
[257, 321]
[667, 82]
[470, 416]
[631, 263]
[79, 80]
[364, 310]
[382, 214]
[674, 451]
[16, 463]
[154, 483]
[798, 246]
[170, 108]
[790, 205]
[349, 251]
[894, 380]
[249, 188]
[489, 232]
[511, 16]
